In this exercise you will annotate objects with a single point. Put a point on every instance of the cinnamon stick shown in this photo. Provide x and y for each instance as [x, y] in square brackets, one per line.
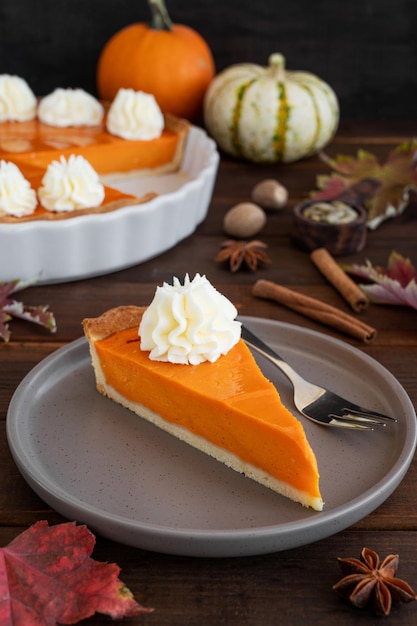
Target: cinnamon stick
[314, 309]
[349, 290]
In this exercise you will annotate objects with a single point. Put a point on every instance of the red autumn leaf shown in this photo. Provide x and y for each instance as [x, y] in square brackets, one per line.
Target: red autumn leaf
[47, 578]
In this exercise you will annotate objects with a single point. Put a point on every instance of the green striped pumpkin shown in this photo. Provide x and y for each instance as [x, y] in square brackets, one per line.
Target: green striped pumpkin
[268, 114]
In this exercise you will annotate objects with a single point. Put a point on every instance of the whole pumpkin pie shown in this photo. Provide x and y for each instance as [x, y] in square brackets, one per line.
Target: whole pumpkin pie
[225, 408]
[33, 146]
[124, 142]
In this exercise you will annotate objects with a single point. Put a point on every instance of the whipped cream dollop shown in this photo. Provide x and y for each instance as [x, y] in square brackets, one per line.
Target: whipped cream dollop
[70, 184]
[17, 100]
[70, 107]
[189, 323]
[17, 197]
[135, 115]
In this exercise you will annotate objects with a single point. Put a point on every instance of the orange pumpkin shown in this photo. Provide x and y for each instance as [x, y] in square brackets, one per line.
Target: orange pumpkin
[171, 61]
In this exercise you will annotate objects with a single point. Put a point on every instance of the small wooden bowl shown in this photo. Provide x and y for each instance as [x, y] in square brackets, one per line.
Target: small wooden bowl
[338, 239]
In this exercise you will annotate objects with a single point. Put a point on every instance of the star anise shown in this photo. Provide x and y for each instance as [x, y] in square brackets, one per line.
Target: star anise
[369, 582]
[237, 253]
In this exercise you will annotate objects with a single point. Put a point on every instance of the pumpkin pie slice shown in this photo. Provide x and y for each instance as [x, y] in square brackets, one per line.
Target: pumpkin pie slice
[227, 409]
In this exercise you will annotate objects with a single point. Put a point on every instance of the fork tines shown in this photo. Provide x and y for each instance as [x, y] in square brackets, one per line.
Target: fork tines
[363, 419]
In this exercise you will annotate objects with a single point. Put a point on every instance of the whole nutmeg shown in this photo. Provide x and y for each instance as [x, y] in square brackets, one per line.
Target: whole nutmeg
[244, 220]
[270, 194]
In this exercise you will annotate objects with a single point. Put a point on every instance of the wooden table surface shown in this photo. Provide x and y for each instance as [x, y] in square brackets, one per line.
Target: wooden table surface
[293, 586]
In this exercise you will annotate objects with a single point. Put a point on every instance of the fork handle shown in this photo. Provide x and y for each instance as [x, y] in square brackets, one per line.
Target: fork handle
[266, 351]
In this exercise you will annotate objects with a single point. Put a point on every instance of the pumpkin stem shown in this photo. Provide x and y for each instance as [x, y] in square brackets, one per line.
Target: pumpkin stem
[276, 64]
[160, 19]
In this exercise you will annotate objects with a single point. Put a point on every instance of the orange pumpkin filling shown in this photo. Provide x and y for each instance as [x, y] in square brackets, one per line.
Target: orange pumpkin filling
[113, 199]
[32, 146]
[228, 403]
[37, 144]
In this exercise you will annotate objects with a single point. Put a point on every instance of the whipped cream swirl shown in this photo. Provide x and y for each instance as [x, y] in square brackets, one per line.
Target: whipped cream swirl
[17, 101]
[189, 323]
[70, 184]
[135, 115]
[70, 107]
[17, 197]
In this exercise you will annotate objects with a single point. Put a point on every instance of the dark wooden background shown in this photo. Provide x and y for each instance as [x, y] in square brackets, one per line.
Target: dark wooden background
[365, 49]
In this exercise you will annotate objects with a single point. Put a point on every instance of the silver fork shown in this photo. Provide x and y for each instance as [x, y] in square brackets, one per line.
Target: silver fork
[318, 404]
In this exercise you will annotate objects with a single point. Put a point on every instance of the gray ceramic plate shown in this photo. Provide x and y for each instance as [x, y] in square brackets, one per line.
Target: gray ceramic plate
[95, 462]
